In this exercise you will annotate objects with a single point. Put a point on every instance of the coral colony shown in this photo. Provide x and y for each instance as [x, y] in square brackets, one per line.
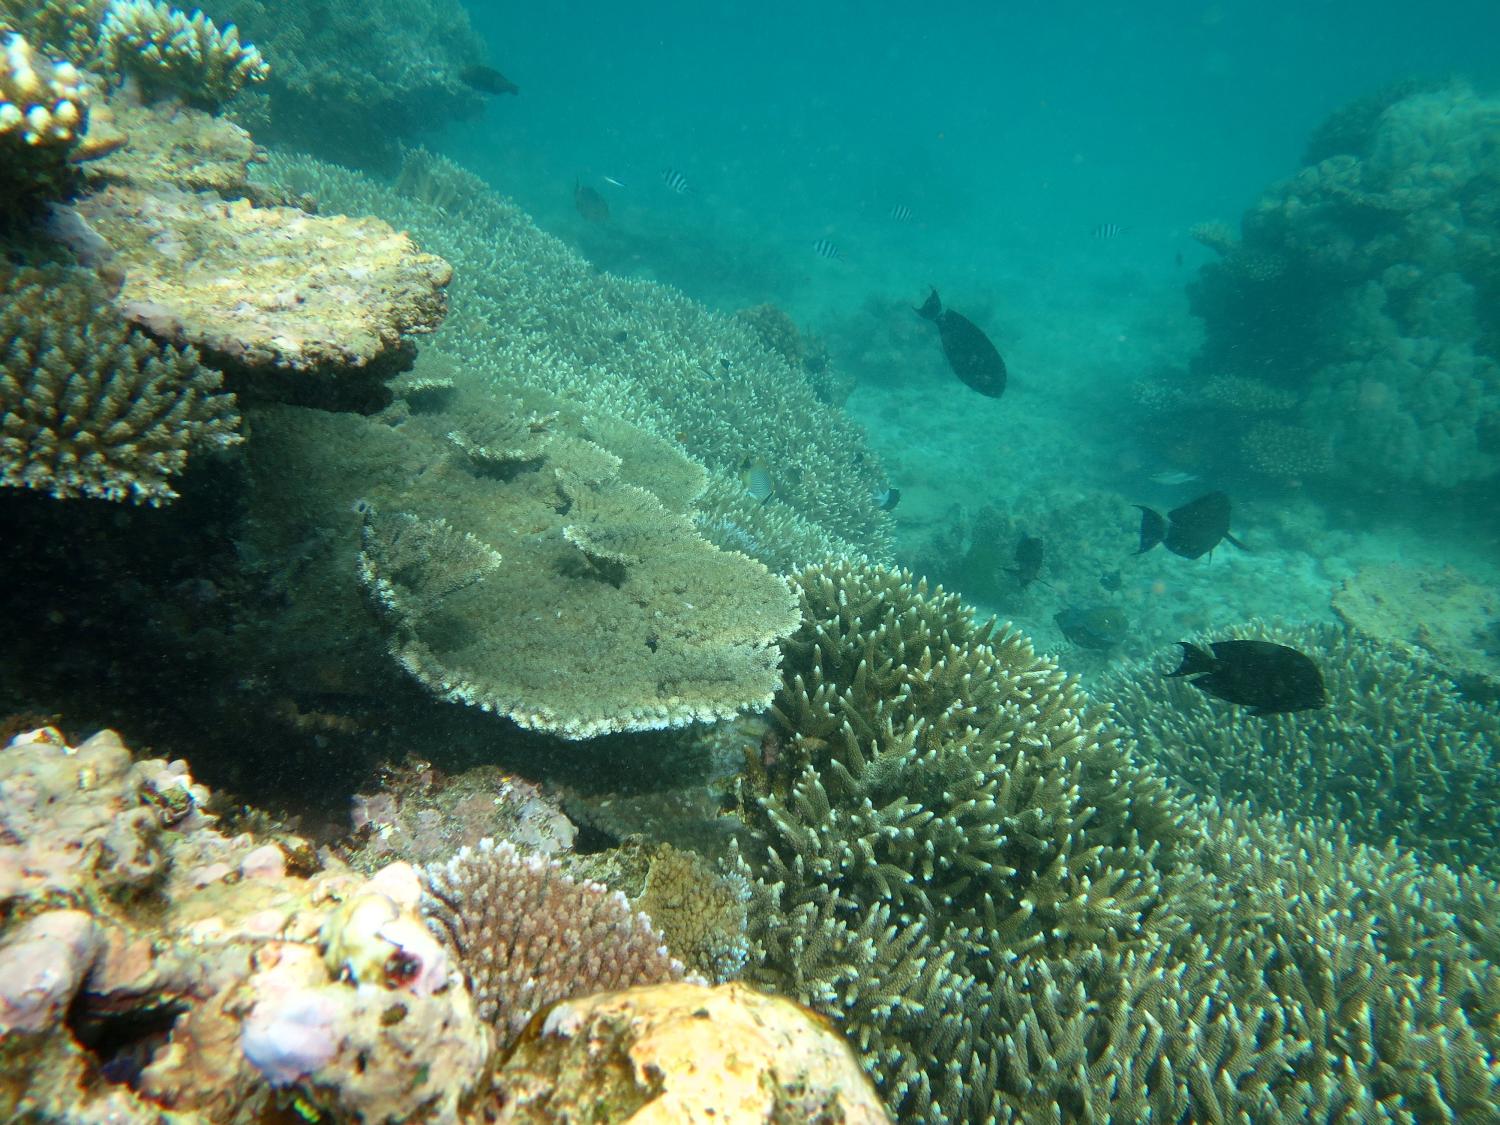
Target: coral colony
[848, 851]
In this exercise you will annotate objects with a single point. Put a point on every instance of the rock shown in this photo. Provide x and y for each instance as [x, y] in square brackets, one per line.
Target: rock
[1446, 613]
[683, 1052]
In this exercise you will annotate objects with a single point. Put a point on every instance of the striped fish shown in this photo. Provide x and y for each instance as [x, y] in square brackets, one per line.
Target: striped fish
[674, 180]
[824, 248]
[1106, 231]
[901, 213]
[757, 480]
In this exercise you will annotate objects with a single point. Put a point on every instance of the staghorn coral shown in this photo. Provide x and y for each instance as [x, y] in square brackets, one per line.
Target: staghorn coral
[528, 312]
[1014, 921]
[941, 794]
[173, 54]
[297, 306]
[526, 935]
[1397, 754]
[680, 1052]
[91, 407]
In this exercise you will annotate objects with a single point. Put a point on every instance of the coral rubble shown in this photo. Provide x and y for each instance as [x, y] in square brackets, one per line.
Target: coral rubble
[151, 961]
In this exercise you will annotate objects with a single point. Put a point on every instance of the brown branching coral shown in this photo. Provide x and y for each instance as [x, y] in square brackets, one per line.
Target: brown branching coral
[526, 935]
[92, 407]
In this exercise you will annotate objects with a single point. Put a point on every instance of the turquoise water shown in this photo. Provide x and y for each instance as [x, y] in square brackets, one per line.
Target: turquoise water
[1010, 136]
[611, 562]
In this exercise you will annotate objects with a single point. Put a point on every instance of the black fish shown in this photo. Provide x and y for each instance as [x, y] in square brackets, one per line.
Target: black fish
[1268, 678]
[971, 355]
[887, 500]
[591, 205]
[1028, 566]
[1191, 530]
[487, 80]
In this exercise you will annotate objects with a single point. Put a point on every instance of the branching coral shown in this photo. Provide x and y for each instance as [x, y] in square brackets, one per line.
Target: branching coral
[172, 53]
[43, 112]
[92, 407]
[1397, 755]
[526, 935]
[1013, 921]
[943, 795]
[352, 80]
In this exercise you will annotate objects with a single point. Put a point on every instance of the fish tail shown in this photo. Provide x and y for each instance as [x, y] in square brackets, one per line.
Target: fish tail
[1194, 660]
[932, 308]
[1153, 529]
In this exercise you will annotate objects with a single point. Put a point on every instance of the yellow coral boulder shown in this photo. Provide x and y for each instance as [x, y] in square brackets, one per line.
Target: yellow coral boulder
[684, 1053]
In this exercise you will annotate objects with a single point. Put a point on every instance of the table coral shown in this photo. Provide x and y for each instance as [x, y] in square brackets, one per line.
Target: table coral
[680, 1052]
[284, 297]
[93, 407]
[529, 311]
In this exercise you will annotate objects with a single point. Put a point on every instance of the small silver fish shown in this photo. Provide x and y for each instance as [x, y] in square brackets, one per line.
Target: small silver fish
[675, 181]
[824, 248]
[1173, 477]
[901, 213]
[1106, 231]
[612, 180]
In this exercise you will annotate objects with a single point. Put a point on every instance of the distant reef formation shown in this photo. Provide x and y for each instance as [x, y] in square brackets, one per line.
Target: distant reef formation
[1352, 331]
[353, 81]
